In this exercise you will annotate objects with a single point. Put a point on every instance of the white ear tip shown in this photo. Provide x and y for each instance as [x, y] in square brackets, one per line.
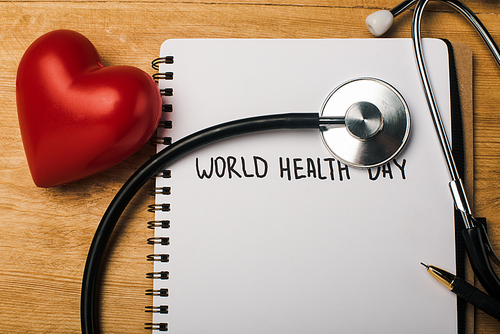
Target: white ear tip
[379, 22]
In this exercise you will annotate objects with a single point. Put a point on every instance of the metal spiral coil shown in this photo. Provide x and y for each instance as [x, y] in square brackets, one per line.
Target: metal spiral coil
[158, 223]
[164, 241]
[160, 207]
[157, 309]
[164, 275]
[159, 257]
[162, 327]
[155, 64]
[163, 292]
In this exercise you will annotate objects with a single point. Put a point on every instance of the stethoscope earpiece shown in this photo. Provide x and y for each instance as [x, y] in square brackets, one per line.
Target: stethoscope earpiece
[379, 22]
[376, 122]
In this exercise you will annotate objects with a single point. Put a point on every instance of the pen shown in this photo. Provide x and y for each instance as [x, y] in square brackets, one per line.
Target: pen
[461, 288]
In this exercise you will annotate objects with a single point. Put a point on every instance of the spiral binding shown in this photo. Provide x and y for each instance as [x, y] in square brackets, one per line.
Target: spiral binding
[167, 92]
[163, 275]
[164, 76]
[161, 191]
[163, 292]
[163, 141]
[162, 327]
[157, 309]
[165, 207]
[162, 207]
[166, 174]
[159, 223]
[159, 257]
[155, 64]
[165, 241]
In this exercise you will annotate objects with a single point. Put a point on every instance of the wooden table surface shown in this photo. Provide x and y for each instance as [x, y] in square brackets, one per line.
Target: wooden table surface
[45, 233]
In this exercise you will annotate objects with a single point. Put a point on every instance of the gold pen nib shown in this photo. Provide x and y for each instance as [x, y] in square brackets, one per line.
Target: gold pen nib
[442, 276]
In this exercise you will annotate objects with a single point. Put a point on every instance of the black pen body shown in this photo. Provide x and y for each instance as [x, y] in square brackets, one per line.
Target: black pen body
[476, 297]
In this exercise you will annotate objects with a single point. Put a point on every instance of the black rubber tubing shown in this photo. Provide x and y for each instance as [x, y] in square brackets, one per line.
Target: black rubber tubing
[475, 242]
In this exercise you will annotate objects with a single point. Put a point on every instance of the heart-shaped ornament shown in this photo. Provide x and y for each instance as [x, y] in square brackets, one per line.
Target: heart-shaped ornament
[77, 117]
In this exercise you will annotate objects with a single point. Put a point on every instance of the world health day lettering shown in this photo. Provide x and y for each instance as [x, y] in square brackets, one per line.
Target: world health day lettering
[291, 169]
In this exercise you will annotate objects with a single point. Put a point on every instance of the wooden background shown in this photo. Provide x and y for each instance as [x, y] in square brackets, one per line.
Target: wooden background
[45, 233]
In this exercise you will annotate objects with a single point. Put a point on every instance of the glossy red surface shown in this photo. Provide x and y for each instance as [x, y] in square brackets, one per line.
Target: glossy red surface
[77, 117]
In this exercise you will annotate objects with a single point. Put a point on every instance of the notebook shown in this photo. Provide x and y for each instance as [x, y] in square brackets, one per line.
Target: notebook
[268, 232]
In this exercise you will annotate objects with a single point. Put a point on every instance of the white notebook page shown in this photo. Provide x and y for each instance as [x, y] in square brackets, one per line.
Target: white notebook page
[282, 238]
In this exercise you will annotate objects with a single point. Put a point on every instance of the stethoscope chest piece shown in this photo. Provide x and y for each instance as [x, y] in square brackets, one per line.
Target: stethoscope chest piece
[376, 122]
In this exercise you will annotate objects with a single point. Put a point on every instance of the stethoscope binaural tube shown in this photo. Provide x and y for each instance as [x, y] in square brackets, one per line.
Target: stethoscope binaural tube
[476, 239]
[456, 185]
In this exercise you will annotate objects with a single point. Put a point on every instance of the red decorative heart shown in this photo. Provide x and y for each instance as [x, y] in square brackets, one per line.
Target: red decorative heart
[77, 117]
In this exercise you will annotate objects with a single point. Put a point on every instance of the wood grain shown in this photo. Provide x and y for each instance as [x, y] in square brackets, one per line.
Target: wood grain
[45, 233]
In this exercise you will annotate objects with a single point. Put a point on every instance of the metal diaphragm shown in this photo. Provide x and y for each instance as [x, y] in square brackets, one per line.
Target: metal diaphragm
[377, 122]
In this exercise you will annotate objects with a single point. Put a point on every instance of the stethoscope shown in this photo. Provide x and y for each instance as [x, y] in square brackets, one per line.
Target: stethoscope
[364, 122]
